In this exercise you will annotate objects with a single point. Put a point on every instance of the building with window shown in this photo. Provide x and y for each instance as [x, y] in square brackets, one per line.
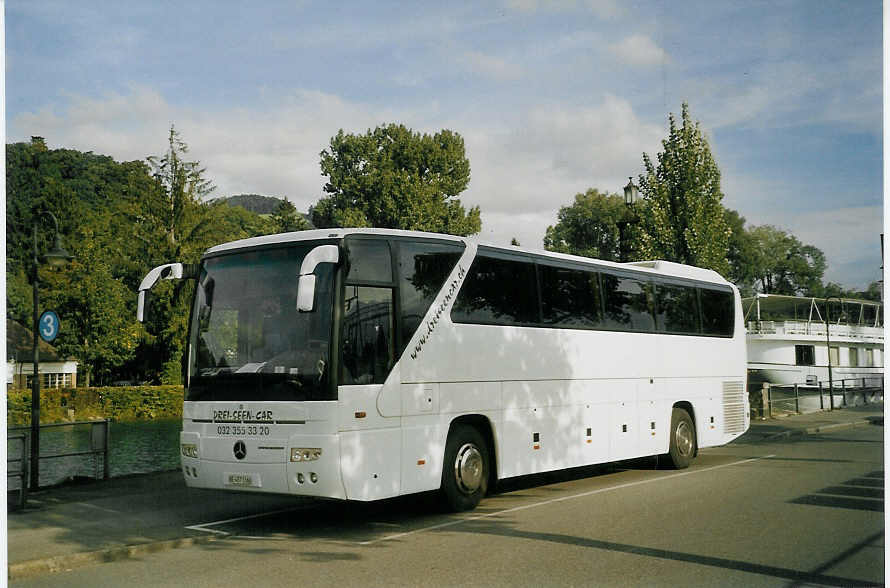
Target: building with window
[56, 371]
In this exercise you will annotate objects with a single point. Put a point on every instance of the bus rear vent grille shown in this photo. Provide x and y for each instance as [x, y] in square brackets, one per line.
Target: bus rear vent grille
[733, 407]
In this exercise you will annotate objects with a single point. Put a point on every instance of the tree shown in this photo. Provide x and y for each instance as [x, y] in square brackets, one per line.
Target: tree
[875, 291]
[175, 206]
[287, 219]
[111, 219]
[99, 327]
[393, 177]
[174, 223]
[589, 227]
[683, 220]
[741, 255]
[783, 265]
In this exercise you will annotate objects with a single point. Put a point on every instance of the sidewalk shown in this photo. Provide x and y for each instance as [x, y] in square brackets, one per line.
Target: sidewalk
[798, 425]
[70, 526]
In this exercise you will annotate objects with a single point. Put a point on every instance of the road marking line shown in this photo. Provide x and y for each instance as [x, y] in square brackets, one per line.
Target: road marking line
[86, 504]
[560, 499]
[244, 518]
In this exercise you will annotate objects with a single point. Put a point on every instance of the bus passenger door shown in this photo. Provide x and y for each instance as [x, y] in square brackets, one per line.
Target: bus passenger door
[370, 444]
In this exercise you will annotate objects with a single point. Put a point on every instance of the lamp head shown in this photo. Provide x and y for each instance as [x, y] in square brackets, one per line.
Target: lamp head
[57, 257]
[631, 193]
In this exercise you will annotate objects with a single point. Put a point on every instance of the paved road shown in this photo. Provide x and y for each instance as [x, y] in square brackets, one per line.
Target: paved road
[801, 511]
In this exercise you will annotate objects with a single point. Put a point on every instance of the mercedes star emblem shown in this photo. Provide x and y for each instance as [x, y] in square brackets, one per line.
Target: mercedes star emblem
[240, 450]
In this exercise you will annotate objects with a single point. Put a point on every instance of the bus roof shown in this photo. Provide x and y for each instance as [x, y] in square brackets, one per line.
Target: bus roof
[315, 234]
[659, 267]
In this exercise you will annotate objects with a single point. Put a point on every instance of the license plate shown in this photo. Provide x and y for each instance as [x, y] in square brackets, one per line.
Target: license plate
[243, 480]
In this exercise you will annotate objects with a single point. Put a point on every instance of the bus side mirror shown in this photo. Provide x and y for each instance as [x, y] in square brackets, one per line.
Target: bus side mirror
[169, 271]
[306, 293]
[306, 283]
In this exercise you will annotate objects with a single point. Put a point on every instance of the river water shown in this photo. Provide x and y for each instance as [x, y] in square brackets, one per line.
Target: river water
[134, 448]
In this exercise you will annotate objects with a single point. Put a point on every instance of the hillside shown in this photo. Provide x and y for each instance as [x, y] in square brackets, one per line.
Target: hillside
[255, 203]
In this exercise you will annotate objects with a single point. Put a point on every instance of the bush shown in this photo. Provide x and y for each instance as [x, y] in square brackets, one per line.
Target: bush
[131, 403]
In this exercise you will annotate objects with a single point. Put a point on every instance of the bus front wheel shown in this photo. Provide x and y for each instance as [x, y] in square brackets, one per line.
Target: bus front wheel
[682, 443]
[465, 469]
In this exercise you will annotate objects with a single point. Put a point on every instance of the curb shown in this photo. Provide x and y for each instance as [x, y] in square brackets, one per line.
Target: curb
[819, 429]
[61, 563]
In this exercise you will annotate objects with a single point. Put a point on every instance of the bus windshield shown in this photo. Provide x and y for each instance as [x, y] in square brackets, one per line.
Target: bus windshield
[248, 341]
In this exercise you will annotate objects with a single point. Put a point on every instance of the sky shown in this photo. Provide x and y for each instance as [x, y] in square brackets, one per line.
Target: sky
[551, 98]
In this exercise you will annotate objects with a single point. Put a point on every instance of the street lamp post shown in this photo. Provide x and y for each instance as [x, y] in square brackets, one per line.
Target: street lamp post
[57, 257]
[631, 196]
[828, 349]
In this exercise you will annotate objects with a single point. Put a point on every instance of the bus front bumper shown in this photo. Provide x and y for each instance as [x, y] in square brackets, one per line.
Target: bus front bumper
[307, 465]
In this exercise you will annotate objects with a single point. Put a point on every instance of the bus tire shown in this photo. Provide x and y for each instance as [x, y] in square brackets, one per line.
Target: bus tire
[465, 469]
[683, 442]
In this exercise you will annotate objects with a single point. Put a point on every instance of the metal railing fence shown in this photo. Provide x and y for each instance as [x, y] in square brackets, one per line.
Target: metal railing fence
[800, 398]
[23, 443]
[99, 431]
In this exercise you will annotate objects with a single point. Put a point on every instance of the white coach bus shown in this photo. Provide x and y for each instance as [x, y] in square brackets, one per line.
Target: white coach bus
[363, 364]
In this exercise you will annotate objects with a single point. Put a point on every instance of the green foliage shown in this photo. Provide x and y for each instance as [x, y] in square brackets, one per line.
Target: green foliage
[74, 186]
[875, 291]
[233, 222]
[286, 218]
[118, 220]
[98, 326]
[136, 403]
[683, 219]
[392, 177]
[253, 202]
[19, 294]
[742, 254]
[589, 227]
[781, 264]
[175, 205]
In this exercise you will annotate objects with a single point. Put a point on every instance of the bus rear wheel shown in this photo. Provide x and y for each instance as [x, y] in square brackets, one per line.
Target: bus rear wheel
[683, 442]
[465, 468]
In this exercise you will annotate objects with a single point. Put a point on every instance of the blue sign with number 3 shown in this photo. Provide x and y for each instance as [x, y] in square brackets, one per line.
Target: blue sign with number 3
[49, 326]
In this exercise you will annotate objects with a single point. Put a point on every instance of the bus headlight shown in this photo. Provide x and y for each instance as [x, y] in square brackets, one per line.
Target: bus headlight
[189, 449]
[305, 453]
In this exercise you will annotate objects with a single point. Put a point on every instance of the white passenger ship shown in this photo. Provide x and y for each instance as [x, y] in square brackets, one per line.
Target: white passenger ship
[788, 344]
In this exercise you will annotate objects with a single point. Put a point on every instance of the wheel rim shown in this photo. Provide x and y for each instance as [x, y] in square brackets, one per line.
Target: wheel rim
[468, 468]
[684, 438]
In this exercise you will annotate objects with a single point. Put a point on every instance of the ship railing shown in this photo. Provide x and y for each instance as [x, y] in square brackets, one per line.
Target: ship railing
[812, 328]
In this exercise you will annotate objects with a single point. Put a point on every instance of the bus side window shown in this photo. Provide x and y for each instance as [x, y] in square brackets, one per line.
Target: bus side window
[677, 308]
[628, 303]
[717, 312]
[367, 335]
[423, 269]
[570, 298]
[498, 292]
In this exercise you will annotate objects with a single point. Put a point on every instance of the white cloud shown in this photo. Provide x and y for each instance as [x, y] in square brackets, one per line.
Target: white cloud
[490, 66]
[272, 149]
[792, 93]
[639, 50]
[849, 237]
[522, 172]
